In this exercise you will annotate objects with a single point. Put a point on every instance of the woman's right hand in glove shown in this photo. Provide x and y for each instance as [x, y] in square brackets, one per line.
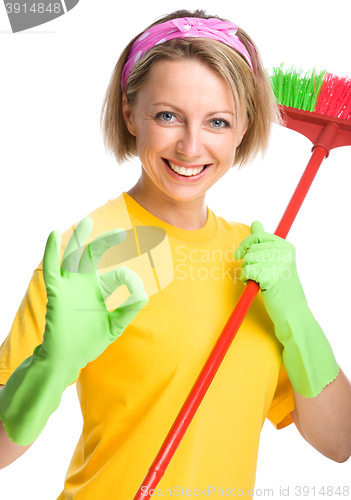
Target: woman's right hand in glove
[78, 325]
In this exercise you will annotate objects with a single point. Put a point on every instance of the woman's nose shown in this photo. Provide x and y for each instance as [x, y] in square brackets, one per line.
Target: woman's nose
[190, 142]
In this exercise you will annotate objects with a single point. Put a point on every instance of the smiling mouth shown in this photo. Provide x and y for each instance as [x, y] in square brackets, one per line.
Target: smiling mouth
[185, 172]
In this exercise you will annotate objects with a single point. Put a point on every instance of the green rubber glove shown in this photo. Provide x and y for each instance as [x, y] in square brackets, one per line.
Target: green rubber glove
[270, 261]
[78, 328]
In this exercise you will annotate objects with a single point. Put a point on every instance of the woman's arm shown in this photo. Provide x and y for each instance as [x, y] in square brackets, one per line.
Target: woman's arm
[325, 420]
[322, 391]
[9, 451]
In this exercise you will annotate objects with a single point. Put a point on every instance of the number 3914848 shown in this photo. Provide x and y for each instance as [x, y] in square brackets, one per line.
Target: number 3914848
[34, 8]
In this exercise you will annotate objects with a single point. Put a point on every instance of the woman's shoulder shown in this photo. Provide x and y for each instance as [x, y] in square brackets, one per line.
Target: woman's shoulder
[111, 215]
[233, 227]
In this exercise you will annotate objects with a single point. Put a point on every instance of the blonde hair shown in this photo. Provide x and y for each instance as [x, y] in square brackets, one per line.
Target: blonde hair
[250, 89]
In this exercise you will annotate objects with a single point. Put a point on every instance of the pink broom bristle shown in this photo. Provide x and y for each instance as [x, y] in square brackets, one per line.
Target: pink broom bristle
[335, 97]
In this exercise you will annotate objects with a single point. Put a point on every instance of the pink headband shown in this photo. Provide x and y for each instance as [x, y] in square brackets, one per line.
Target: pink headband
[224, 31]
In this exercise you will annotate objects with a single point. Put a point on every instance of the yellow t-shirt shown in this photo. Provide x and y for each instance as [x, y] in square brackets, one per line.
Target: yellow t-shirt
[132, 393]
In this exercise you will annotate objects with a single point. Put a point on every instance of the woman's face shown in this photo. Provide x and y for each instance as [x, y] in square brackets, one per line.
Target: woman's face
[184, 117]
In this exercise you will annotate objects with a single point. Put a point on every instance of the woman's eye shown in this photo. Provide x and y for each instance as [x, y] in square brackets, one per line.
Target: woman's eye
[165, 116]
[217, 123]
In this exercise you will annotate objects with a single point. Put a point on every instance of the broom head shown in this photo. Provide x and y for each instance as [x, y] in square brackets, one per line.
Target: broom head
[310, 101]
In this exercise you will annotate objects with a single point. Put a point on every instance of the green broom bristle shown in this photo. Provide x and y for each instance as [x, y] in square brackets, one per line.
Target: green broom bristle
[295, 88]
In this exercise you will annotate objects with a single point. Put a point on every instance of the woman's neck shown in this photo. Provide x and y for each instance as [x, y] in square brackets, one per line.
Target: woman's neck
[190, 215]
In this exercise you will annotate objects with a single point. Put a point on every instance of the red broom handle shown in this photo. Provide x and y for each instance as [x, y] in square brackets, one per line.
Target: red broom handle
[199, 389]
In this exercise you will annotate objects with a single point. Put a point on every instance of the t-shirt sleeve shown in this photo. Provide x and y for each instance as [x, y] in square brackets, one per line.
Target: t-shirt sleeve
[283, 402]
[28, 327]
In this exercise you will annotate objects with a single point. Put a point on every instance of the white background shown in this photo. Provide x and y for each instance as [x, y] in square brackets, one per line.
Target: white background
[54, 171]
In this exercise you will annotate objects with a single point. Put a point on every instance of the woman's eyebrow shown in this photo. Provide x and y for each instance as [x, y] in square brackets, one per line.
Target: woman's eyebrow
[181, 111]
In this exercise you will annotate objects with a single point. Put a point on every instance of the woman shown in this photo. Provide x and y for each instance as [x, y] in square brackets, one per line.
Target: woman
[190, 107]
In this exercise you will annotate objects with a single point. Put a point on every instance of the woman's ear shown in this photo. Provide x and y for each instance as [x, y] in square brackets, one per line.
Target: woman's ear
[127, 114]
[242, 135]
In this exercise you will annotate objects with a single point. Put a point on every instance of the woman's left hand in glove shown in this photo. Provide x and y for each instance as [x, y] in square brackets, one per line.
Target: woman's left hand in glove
[270, 261]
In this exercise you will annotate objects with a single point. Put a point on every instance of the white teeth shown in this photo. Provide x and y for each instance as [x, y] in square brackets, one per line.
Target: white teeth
[185, 171]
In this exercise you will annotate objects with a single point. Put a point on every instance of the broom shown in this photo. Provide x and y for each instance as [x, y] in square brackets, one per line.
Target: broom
[318, 105]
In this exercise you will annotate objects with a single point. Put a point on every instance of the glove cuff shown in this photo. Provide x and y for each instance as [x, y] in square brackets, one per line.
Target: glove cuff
[31, 395]
[307, 355]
